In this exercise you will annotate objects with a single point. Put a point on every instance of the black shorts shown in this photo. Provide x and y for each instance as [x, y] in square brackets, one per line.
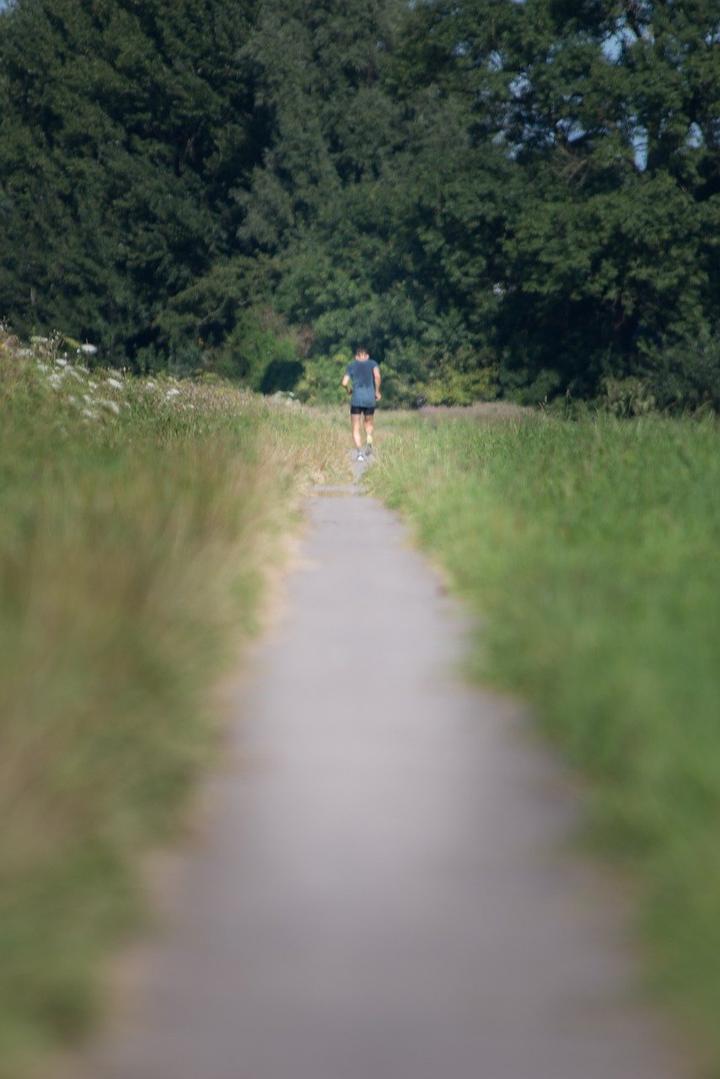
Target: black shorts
[355, 410]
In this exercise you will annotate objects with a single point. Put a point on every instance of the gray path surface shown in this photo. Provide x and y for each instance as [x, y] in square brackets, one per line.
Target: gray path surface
[384, 888]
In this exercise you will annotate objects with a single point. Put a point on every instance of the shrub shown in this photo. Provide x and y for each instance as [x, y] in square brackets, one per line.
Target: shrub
[261, 352]
[455, 387]
[627, 396]
[320, 380]
[684, 374]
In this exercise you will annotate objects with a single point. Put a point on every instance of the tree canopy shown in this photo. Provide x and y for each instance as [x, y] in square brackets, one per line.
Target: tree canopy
[497, 197]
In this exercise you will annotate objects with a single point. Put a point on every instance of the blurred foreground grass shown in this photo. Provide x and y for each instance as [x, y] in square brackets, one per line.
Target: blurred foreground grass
[137, 521]
[592, 552]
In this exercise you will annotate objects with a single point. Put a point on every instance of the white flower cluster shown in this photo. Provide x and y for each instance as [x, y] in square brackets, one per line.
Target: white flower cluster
[59, 364]
[98, 400]
[102, 394]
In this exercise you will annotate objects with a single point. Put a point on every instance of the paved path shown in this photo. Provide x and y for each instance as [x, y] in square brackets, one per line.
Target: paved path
[384, 889]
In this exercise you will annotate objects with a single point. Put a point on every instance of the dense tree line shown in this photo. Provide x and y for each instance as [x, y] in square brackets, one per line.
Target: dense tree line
[499, 197]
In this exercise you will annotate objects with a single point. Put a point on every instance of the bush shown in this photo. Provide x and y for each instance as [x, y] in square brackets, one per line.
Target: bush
[627, 397]
[455, 387]
[321, 377]
[684, 375]
[261, 352]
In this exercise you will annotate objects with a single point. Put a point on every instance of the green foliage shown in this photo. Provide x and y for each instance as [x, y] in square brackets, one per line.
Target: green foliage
[320, 382]
[123, 131]
[532, 185]
[589, 550]
[459, 381]
[521, 199]
[685, 373]
[625, 397]
[261, 352]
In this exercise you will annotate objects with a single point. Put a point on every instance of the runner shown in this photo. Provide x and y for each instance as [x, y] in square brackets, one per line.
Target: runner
[362, 382]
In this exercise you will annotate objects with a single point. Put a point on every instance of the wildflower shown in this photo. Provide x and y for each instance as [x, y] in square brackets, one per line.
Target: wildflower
[61, 361]
[173, 393]
[87, 349]
[89, 414]
[111, 406]
[55, 381]
[114, 382]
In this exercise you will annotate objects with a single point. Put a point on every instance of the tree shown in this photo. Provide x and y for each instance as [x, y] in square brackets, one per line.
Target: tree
[124, 128]
[489, 193]
[606, 113]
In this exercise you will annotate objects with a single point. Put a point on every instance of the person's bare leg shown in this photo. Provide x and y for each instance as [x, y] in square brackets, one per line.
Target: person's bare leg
[369, 428]
[357, 438]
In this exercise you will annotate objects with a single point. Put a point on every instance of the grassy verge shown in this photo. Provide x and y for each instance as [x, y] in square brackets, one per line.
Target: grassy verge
[137, 519]
[591, 550]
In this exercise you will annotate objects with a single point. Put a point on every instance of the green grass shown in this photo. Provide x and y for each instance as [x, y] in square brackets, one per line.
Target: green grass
[591, 551]
[138, 522]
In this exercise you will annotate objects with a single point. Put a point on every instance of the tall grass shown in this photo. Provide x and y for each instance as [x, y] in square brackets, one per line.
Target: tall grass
[592, 551]
[137, 521]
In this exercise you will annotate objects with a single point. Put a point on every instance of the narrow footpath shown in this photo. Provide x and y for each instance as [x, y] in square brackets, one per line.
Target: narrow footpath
[385, 887]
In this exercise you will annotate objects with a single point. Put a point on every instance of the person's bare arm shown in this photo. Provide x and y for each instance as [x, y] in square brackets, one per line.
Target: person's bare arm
[378, 379]
[346, 383]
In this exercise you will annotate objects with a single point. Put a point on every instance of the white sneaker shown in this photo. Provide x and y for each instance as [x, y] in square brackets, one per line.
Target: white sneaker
[360, 456]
